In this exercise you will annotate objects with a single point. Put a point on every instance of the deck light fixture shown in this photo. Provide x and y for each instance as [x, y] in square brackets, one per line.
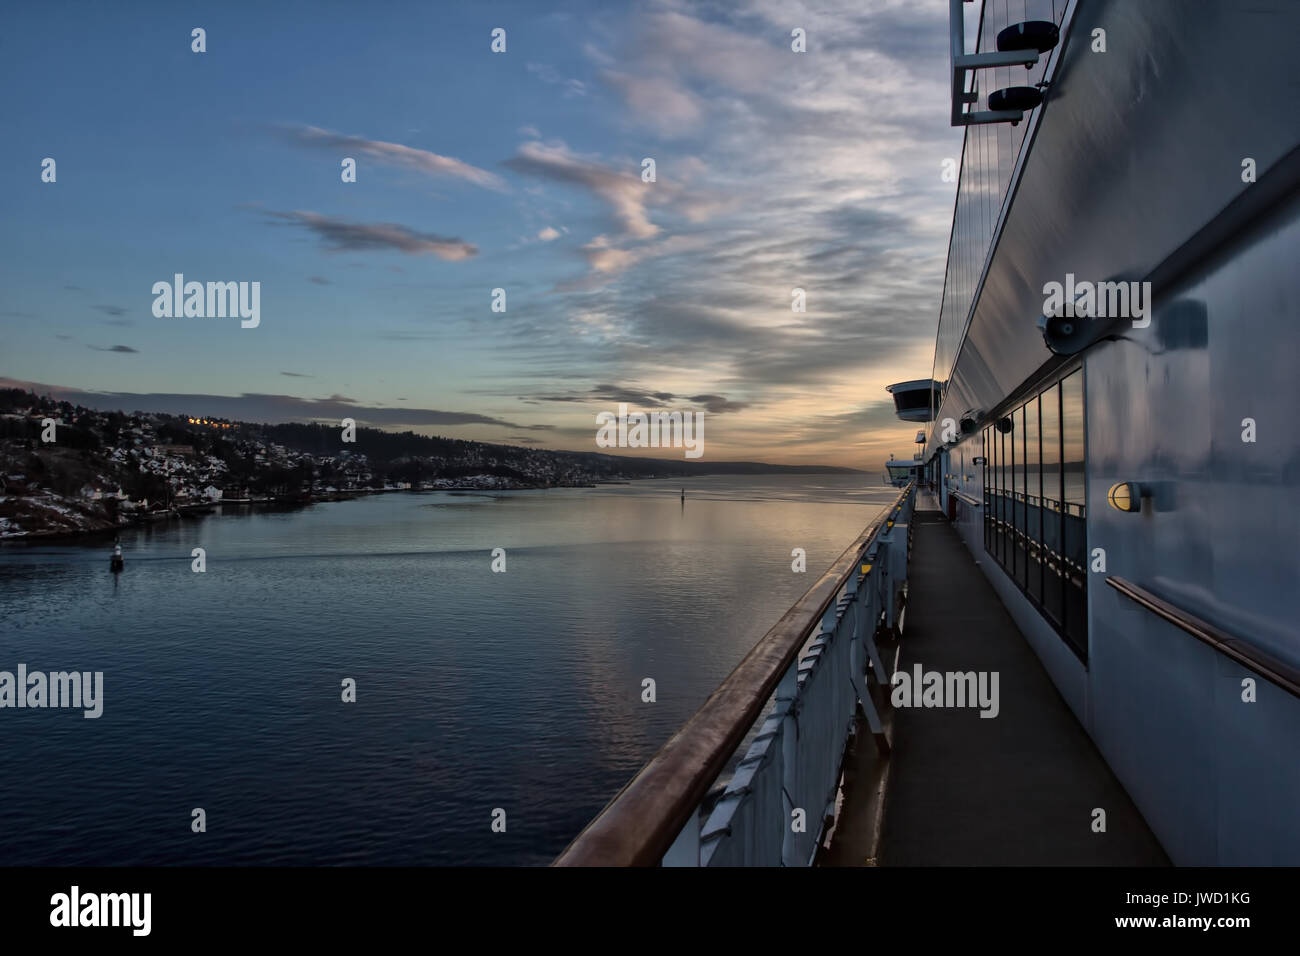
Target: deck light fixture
[1126, 496]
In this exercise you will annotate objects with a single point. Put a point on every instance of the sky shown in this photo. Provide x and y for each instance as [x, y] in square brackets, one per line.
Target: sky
[476, 171]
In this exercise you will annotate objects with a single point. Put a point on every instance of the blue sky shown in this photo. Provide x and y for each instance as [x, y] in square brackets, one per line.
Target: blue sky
[476, 171]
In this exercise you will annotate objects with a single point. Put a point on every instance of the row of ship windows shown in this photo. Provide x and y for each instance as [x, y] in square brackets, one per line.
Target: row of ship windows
[1035, 511]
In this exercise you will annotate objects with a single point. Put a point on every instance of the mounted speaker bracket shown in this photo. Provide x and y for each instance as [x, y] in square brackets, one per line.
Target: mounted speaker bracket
[1021, 43]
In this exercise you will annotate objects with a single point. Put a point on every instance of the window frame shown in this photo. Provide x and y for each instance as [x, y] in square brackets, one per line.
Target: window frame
[1007, 529]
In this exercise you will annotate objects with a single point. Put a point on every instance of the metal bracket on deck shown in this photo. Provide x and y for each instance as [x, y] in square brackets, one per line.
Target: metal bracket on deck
[964, 63]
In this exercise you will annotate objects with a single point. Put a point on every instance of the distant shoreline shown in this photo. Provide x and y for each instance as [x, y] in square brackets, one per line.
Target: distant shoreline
[204, 509]
[104, 530]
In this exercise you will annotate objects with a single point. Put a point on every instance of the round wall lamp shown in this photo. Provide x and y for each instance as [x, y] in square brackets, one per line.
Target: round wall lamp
[1125, 496]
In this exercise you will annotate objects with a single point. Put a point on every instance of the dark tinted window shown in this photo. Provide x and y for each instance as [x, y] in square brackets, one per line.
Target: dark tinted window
[1035, 514]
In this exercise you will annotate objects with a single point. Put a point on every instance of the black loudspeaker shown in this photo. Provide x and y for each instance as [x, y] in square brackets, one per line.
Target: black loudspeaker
[1023, 98]
[1037, 35]
[1070, 334]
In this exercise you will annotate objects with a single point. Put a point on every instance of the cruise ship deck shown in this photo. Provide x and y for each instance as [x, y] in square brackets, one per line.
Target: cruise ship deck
[960, 790]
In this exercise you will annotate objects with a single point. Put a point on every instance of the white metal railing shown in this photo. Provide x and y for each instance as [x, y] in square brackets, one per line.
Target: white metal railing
[799, 688]
[782, 795]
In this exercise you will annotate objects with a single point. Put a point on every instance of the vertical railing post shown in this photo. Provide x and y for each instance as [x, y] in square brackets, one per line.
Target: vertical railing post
[787, 694]
[685, 850]
[871, 606]
[885, 565]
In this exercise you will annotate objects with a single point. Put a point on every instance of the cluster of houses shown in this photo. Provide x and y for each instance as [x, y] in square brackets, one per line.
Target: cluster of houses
[185, 477]
[126, 467]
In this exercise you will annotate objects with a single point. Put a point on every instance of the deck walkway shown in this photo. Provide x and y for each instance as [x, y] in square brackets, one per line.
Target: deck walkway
[958, 789]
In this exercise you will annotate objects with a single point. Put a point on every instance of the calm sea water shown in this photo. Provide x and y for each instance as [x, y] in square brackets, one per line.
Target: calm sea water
[475, 690]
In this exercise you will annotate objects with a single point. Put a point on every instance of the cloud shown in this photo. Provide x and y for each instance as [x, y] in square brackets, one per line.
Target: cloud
[547, 234]
[124, 349]
[258, 407]
[620, 190]
[604, 257]
[115, 311]
[660, 100]
[319, 280]
[341, 236]
[297, 375]
[626, 197]
[673, 64]
[616, 394]
[717, 403]
[549, 75]
[392, 154]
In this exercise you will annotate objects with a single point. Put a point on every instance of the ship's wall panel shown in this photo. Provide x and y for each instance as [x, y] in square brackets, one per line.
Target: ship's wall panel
[1219, 537]
[1152, 719]
[1257, 772]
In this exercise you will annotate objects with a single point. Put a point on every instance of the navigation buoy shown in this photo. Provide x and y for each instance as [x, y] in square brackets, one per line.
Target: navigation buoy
[116, 563]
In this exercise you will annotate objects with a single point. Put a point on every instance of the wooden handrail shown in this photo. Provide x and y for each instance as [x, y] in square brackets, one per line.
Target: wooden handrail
[1266, 666]
[638, 826]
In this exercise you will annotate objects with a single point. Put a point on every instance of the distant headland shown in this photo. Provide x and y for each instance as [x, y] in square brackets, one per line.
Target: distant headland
[68, 469]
